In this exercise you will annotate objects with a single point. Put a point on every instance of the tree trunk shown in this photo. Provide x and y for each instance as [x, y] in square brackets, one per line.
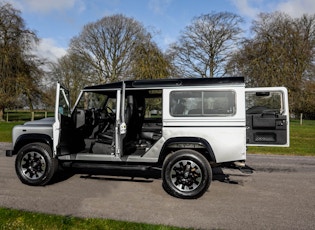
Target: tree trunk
[1, 114]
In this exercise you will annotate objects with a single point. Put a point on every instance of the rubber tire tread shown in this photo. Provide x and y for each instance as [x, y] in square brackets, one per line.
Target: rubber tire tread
[200, 160]
[51, 163]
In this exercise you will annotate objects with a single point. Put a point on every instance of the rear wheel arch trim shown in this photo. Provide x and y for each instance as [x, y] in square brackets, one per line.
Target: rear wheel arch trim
[204, 142]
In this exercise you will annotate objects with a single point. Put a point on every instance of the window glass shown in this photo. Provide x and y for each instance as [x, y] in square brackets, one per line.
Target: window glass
[202, 103]
[111, 104]
[90, 100]
[64, 104]
[257, 102]
[153, 107]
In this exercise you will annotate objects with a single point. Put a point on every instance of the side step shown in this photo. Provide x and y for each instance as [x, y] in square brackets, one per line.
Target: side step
[99, 166]
[132, 171]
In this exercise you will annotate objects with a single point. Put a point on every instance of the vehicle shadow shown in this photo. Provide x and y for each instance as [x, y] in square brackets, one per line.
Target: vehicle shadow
[231, 175]
[144, 176]
[116, 178]
[219, 175]
[61, 175]
[148, 176]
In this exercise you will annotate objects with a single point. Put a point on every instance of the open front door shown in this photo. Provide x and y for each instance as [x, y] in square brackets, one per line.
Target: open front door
[62, 109]
[267, 117]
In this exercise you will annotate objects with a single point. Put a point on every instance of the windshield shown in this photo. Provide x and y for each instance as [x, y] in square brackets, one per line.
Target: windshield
[96, 100]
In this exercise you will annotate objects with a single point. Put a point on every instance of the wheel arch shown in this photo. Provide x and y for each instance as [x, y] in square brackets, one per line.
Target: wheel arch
[206, 151]
[25, 139]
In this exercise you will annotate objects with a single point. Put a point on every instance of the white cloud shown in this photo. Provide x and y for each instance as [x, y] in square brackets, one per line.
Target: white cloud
[297, 8]
[44, 6]
[48, 5]
[48, 49]
[247, 8]
[159, 6]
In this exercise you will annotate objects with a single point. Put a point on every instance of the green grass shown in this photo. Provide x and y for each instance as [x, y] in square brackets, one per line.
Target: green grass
[302, 141]
[6, 130]
[15, 219]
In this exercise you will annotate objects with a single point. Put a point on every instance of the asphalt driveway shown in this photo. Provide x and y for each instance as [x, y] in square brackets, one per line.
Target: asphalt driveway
[278, 195]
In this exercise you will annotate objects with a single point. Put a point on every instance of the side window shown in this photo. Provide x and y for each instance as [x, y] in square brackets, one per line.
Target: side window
[202, 103]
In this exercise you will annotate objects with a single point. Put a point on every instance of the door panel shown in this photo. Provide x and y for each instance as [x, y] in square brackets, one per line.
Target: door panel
[267, 117]
[62, 113]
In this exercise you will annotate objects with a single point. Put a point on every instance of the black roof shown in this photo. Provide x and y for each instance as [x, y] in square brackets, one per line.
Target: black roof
[170, 83]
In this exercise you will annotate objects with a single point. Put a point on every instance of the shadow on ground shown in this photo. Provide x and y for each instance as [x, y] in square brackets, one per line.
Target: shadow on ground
[148, 176]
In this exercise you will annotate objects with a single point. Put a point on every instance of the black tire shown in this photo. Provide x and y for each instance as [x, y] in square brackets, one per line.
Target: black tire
[34, 164]
[186, 174]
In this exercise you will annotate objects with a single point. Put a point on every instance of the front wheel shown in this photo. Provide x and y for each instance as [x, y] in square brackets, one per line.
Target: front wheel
[186, 174]
[34, 164]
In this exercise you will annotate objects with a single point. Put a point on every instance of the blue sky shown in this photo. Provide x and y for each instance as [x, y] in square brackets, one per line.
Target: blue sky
[57, 21]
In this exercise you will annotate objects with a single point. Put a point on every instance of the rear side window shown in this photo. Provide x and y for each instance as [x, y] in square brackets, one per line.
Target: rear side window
[202, 103]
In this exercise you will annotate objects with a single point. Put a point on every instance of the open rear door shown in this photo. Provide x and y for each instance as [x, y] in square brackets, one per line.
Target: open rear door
[121, 129]
[267, 117]
[62, 109]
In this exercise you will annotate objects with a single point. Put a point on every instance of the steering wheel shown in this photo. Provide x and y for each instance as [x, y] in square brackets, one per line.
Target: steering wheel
[108, 114]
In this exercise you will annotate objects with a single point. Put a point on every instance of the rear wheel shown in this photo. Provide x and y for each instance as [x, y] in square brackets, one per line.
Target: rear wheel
[34, 164]
[186, 174]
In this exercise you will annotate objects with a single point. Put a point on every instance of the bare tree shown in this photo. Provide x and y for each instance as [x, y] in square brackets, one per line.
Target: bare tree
[19, 70]
[205, 46]
[108, 44]
[73, 72]
[281, 53]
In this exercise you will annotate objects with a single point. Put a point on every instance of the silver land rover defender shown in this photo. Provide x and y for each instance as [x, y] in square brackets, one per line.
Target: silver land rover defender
[182, 127]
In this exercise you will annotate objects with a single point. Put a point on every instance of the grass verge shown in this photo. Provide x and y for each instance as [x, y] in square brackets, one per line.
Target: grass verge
[6, 130]
[15, 219]
[302, 141]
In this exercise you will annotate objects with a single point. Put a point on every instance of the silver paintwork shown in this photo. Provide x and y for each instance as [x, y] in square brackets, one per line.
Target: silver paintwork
[42, 126]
